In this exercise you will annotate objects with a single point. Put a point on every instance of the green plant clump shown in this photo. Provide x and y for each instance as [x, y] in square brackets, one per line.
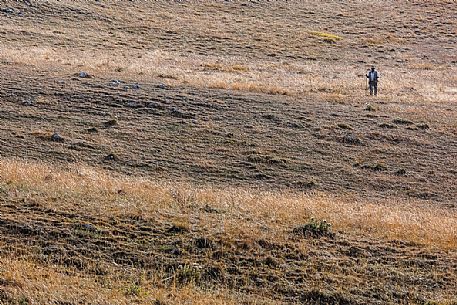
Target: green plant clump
[315, 228]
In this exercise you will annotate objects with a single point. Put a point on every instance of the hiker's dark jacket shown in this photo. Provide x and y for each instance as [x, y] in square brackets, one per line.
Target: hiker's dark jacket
[373, 76]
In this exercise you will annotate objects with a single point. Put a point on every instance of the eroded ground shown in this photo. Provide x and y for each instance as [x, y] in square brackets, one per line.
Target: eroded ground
[216, 136]
[246, 94]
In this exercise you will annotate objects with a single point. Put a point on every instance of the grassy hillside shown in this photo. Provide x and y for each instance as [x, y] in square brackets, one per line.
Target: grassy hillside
[177, 152]
[82, 235]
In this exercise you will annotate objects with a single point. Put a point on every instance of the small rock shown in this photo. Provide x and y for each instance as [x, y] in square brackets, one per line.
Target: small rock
[351, 138]
[179, 114]
[115, 82]
[52, 250]
[177, 229]
[376, 167]
[133, 104]
[423, 126]
[28, 102]
[155, 105]
[343, 126]
[209, 209]
[261, 176]
[57, 138]
[162, 86]
[400, 172]
[110, 157]
[89, 227]
[92, 130]
[7, 10]
[400, 121]
[387, 125]
[176, 251]
[83, 74]
[110, 123]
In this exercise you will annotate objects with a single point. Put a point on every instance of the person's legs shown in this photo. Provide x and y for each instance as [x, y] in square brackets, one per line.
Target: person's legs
[375, 85]
[371, 88]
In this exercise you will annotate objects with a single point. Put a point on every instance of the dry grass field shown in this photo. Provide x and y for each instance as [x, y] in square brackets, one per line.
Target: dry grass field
[227, 152]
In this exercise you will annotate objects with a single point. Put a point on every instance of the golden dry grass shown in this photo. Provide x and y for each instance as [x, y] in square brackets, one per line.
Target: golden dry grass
[243, 215]
[277, 50]
[431, 83]
[247, 212]
[127, 52]
[31, 283]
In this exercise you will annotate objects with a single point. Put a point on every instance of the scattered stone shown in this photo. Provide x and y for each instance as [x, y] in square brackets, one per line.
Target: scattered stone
[376, 167]
[400, 121]
[134, 104]
[355, 252]
[111, 157]
[155, 105]
[209, 209]
[92, 130]
[294, 125]
[387, 125]
[29, 101]
[261, 176]
[303, 184]
[110, 123]
[344, 126]
[271, 117]
[400, 172]
[88, 227]
[423, 126]
[115, 83]
[57, 138]
[351, 138]
[173, 249]
[179, 114]
[134, 86]
[83, 74]
[7, 10]
[177, 229]
[162, 86]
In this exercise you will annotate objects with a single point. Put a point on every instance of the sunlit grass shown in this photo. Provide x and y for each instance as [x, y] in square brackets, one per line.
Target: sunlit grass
[96, 192]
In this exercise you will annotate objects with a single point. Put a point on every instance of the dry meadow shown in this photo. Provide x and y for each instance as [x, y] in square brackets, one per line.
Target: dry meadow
[227, 152]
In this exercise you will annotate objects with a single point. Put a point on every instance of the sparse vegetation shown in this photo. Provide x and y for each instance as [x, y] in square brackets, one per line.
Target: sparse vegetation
[234, 160]
[314, 228]
[124, 221]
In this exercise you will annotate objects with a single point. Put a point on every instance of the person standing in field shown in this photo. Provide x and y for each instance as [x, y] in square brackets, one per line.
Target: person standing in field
[373, 77]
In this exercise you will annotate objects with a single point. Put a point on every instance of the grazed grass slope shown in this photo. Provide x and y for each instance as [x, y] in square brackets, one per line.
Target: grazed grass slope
[184, 126]
[86, 235]
[199, 160]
